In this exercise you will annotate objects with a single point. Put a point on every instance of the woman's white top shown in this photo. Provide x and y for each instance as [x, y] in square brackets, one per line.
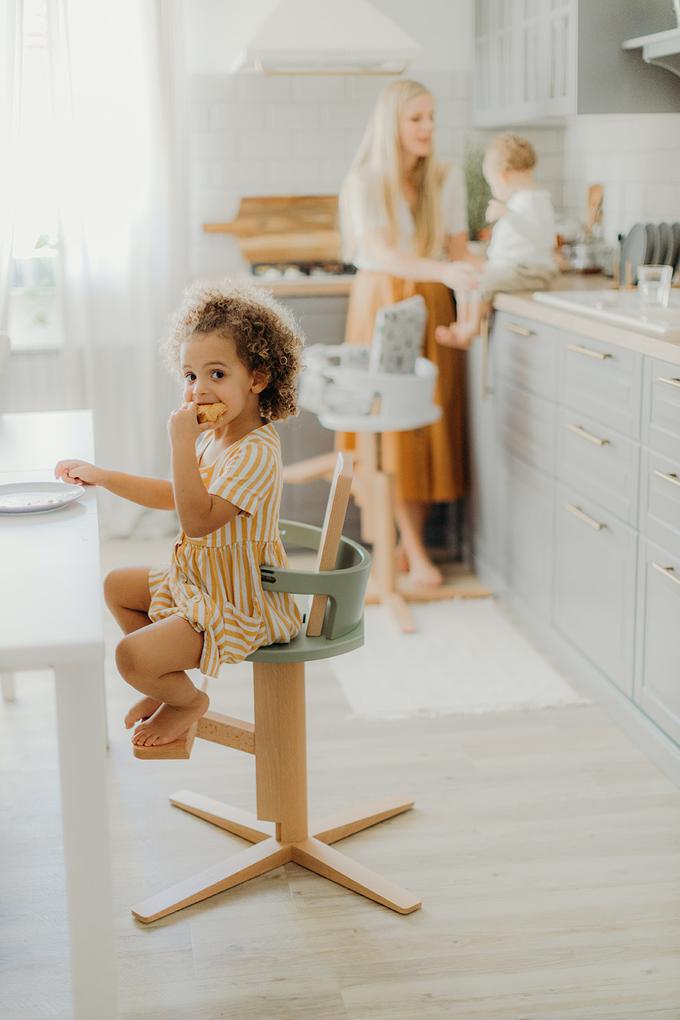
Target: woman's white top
[367, 214]
[525, 235]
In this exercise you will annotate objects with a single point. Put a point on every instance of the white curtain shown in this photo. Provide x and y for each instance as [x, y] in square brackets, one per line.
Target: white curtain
[10, 102]
[121, 169]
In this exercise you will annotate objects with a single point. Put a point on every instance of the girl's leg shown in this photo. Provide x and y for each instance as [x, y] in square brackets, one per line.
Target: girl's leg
[411, 523]
[127, 595]
[153, 659]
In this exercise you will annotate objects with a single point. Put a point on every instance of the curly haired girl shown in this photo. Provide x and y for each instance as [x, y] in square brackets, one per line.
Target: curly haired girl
[239, 352]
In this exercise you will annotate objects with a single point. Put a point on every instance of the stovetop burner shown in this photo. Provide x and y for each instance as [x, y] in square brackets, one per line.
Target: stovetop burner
[295, 270]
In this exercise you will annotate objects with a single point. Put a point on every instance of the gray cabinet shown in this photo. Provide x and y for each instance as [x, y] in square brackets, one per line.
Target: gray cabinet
[576, 505]
[595, 565]
[658, 676]
[538, 60]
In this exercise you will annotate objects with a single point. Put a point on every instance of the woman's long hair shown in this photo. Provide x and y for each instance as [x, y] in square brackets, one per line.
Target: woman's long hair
[377, 165]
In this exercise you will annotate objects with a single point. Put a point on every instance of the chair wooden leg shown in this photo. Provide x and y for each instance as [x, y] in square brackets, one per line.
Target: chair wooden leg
[241, 823]
[331, 830]
[249, 863]
[324, 860]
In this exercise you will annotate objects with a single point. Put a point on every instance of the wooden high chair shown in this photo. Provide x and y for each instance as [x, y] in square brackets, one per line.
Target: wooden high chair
[280, 830]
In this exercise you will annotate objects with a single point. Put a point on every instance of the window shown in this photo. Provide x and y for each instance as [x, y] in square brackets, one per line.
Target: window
[34, 314]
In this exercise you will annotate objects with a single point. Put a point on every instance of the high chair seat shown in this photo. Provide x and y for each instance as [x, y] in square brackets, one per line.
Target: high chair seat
[280, 830]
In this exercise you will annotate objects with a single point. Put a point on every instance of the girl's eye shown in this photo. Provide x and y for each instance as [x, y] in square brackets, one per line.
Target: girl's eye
[217, 373]
[189, 377]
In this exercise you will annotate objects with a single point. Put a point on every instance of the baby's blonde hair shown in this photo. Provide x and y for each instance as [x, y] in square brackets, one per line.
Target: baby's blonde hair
[514, 152]
[266, 335]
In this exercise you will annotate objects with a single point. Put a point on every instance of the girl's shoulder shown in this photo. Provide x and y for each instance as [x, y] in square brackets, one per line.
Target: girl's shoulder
[263, 440]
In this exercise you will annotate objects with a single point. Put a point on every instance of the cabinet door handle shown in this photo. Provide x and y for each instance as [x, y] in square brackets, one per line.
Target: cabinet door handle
[512, 327]
[669, 382]
[670, 477]
[667, 571]
[590, 521]
[578, 430]
[598, 355]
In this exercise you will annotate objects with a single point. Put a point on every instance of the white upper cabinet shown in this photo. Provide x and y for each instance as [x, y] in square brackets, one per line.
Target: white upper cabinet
[537, 60]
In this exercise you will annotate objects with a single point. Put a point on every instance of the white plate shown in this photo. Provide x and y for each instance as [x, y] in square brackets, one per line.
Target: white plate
[37, 497]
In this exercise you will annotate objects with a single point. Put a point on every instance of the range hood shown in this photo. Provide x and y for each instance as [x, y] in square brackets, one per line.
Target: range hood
[327, 37]
[662, 48]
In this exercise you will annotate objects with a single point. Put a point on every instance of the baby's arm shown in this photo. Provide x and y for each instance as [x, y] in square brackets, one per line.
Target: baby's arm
[155, 493]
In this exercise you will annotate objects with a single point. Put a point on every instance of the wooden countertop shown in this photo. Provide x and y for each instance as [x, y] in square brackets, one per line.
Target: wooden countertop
[584, 325]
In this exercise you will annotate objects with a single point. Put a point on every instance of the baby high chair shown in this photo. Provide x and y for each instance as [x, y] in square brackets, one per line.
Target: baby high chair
[280, 830]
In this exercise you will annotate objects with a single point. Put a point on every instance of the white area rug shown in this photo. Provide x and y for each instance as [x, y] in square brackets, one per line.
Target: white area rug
[467, 657]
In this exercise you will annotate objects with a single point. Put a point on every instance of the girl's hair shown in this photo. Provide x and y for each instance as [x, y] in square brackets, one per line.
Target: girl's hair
[514, 152]
[266, 336]
[378, 162]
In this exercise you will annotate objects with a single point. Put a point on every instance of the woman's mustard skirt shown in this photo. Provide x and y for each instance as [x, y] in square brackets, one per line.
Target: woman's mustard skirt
[429, 465]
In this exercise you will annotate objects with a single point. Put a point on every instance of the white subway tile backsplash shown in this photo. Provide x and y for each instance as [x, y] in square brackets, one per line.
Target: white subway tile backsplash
[317, 89]
[261, 88]
[292, 117]
[264, 144]
[233, 116]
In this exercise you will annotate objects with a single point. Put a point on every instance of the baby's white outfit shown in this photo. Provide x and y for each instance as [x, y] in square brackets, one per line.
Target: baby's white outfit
[520, 254]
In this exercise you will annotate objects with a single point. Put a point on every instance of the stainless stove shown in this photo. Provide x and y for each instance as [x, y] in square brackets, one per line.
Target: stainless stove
[322, 269]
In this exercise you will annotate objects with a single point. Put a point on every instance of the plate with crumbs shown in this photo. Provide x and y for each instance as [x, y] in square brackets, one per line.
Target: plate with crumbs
[37, 497]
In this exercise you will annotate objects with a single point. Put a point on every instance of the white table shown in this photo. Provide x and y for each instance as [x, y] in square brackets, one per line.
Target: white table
[51, 618]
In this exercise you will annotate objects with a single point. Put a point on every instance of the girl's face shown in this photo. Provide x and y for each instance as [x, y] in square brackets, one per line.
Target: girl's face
[214, 373]
[416, 126]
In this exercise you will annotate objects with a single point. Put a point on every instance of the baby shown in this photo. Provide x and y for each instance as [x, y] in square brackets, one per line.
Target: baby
[238, 354]
[520, 255]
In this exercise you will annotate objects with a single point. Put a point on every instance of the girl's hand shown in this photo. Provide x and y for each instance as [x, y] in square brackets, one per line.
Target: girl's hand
[79, 472]
[183, 426]
[495, 210]
[459, 276]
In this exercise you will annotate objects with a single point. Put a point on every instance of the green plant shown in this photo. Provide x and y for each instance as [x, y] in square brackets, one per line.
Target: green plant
[478, 191]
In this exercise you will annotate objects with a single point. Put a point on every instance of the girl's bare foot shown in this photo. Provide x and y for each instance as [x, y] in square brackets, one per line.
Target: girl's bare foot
[169, 723]
[142, 709]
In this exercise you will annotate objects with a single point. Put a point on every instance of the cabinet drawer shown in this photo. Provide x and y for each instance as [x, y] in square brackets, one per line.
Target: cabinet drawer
[594, 588]
[527, 542]
[526, 425]
[526, 354]
[657, 688]
[483, 451]
[602, 381]
[662, 407]
[660, 500]
[599, 462]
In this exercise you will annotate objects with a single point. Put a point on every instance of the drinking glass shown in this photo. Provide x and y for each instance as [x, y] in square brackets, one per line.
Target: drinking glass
[654, 285]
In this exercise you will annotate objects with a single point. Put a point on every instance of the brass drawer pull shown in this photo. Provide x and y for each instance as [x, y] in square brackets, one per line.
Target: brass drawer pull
[669, 382]
[667, 572]
[598, 355]
[670, 477]
[512, 327]
[578, 430]
[590, 521]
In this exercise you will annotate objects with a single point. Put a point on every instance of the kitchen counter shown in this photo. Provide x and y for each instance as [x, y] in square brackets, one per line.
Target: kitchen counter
[585, 325]
[307, 286]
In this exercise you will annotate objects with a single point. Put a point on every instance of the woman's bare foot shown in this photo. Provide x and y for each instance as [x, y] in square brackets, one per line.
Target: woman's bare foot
[142, 709]
[169, 723]
[424, 574]
[458, 334]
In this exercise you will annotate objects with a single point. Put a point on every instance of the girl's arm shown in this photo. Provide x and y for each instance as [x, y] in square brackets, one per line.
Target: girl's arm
[200, 512]
[155, 493]
[388, 259]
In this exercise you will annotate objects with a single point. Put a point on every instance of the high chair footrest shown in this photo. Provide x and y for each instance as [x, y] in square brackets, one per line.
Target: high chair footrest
[180, 748]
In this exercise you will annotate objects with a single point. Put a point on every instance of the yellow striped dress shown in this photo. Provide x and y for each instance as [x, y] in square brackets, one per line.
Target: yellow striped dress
[214, 581]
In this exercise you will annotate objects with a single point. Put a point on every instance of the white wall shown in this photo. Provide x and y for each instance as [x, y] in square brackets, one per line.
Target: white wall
[637, 160]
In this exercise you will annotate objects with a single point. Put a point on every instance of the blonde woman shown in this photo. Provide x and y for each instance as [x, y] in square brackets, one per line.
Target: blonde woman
[402, 218]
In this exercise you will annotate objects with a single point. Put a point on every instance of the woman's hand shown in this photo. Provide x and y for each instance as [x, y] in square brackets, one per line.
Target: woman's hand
[459, 275]
[495, 210]
[79, 472]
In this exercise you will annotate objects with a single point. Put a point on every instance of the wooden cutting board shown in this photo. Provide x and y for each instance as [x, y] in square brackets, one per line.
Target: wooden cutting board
[277, 228]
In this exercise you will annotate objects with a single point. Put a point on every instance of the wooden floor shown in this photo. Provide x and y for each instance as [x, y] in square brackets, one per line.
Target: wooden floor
[545, 846]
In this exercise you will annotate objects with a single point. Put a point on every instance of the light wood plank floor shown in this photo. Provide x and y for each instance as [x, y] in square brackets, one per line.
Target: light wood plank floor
[544, 845]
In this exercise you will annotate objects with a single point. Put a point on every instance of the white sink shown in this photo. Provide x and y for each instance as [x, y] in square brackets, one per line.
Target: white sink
[622, 307]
